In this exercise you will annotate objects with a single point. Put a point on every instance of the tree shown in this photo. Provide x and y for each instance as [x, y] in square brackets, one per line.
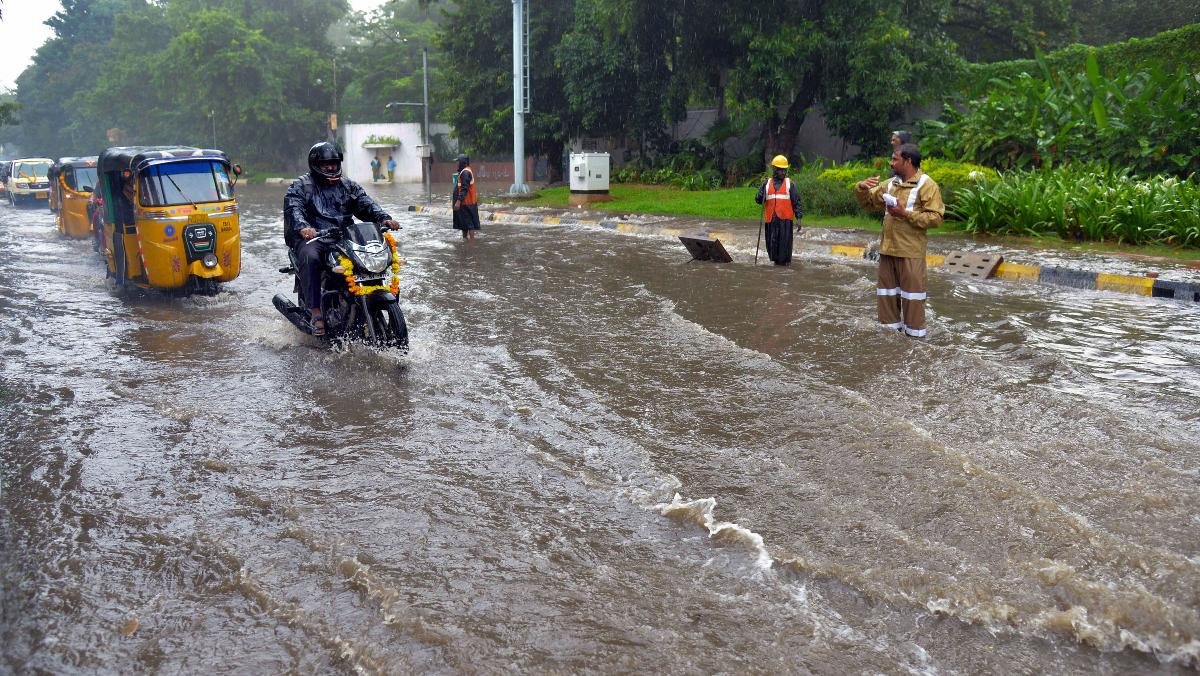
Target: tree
[383, 62]
[61, 69]
[476, 42]
[168, 71]
[997, 30]
[862, 61]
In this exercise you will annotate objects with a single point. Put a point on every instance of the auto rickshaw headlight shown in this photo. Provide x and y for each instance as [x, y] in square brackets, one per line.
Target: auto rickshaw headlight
[209, 261]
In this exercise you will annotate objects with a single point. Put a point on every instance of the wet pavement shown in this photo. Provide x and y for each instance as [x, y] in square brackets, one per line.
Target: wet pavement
[597, 457]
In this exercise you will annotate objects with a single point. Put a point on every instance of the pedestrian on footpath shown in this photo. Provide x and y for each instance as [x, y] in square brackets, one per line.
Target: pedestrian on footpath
[465, 201]
[374, 168]
[782, 211]
[391, 168]
[913, 204]
[899, 138]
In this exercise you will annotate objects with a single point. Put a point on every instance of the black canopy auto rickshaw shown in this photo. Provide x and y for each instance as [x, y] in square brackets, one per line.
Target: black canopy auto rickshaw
[72, 180]
[169, 217]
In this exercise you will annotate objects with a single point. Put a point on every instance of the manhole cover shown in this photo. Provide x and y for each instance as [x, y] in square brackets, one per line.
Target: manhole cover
[980, 266]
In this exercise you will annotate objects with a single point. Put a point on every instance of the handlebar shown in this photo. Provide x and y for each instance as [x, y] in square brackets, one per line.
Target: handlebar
[336, 232]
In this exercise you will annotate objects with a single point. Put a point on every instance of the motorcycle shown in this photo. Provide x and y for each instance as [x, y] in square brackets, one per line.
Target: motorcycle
[355, 303]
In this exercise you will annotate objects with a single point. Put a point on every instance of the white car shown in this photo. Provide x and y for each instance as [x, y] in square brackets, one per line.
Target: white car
[27, 180]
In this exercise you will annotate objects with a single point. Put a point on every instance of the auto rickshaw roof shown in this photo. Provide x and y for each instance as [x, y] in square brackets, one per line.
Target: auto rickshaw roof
[140, 157]
[72, 162]
[89, 161]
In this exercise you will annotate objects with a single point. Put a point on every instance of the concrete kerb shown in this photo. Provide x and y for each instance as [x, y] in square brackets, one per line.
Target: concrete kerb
[1020, 272]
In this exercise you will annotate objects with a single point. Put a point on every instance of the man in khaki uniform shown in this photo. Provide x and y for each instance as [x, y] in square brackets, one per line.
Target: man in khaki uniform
[913, 204]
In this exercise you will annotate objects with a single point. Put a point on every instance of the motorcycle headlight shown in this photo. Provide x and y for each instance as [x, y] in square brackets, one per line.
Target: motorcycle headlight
[374, 256]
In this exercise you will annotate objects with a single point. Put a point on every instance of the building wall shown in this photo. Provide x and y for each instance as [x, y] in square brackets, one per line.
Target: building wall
[357, 165]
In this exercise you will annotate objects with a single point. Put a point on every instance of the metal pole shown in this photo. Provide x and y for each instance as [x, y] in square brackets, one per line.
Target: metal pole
[213, 115]
[426, 165]
[518, 185]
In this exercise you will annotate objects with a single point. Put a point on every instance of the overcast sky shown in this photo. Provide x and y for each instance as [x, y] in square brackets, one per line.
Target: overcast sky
[23, 30]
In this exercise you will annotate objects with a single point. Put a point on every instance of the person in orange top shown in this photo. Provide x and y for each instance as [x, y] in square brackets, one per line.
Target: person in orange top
[465, 199]
[914, 205]
[782, 211]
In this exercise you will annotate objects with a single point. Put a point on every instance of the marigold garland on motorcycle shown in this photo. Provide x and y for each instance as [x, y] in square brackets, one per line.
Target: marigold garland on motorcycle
[345, 266]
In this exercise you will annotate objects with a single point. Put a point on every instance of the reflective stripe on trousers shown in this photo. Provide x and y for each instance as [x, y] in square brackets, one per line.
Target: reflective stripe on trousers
[900, 294]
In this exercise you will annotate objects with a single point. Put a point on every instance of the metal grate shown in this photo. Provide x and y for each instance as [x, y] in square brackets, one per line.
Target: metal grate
[980, 266]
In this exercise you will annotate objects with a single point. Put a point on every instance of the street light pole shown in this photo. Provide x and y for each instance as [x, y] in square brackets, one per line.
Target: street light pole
[213, 115]
[426, 165]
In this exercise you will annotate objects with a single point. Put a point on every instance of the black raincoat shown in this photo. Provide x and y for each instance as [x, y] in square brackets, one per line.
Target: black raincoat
[313, 202]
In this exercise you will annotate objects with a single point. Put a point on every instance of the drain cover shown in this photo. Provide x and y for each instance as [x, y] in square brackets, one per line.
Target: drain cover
[975, 265]
[706, 249]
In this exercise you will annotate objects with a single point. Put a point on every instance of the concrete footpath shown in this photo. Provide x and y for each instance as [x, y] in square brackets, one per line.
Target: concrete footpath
[1082, 270]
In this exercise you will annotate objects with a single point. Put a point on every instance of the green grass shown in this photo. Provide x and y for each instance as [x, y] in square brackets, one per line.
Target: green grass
[738, 204]
[726, 203]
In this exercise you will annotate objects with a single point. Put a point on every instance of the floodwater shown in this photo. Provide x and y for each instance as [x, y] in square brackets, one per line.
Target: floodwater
[597, 457]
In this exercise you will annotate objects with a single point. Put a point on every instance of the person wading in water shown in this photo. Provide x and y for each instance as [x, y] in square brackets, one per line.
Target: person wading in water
[465, 200]
[781, 211]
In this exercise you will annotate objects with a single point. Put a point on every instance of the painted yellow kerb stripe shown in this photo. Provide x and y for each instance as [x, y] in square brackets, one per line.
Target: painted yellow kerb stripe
[844, 250]
[1018, 271]
[1142, 286]
[625, 227]
[934, 260]
[552, 220]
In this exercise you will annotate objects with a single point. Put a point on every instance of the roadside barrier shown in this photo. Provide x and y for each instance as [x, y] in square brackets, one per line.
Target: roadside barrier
[1019, 272]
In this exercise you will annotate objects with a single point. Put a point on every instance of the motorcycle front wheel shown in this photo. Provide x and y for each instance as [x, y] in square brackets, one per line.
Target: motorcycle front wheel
[390, 328]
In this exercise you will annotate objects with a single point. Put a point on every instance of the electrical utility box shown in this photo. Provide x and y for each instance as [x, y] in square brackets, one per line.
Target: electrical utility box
[589, 173]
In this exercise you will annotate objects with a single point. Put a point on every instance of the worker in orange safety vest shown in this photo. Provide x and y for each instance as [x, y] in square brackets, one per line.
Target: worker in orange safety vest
[782, 211]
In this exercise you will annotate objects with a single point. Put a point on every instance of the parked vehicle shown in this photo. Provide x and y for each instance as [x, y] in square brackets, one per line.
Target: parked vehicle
[28, 181]
[5, 168]
[72, 180]
[169, 218]
[355, 303]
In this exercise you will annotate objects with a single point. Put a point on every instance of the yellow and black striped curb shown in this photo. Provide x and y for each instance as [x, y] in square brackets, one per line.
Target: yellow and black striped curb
[1044, 274]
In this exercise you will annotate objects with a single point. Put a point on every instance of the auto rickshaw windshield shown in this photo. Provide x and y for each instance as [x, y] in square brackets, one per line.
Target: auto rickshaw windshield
[31, 169]
[191, 182]
[80, 178]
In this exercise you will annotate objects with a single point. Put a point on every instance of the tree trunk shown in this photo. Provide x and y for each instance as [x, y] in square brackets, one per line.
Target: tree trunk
[780, 135]
[721, 83]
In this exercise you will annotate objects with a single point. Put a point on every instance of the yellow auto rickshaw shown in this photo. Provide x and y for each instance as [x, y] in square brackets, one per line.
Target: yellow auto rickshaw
[169, 218]
[72, 180]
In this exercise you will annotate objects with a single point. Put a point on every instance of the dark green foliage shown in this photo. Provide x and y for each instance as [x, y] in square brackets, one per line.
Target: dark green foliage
[1171, 50]
[991, 30]
[164, 72]
[1146, 121]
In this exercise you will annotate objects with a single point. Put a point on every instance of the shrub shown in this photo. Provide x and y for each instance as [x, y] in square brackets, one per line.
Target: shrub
[950, 176]
[1085, 202]
[1055, 117]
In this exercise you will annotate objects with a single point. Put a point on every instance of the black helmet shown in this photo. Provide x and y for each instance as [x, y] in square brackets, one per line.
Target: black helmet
[325, 152]
[462, 160]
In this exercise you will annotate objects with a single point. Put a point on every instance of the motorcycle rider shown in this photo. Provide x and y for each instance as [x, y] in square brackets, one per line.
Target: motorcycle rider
[320, 200]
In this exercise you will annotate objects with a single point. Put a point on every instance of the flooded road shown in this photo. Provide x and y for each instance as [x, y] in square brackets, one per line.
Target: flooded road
[597, 457]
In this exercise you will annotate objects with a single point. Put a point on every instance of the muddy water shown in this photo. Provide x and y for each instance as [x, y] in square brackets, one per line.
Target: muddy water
[596, 457]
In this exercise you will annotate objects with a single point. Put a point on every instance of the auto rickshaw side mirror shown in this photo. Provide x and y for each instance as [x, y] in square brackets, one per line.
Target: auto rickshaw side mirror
[237, 170]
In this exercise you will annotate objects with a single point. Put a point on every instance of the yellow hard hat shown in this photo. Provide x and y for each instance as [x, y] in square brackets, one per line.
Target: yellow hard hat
[779, 161]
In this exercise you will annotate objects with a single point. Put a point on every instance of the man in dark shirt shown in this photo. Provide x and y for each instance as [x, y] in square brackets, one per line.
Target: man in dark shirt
[320, 200]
